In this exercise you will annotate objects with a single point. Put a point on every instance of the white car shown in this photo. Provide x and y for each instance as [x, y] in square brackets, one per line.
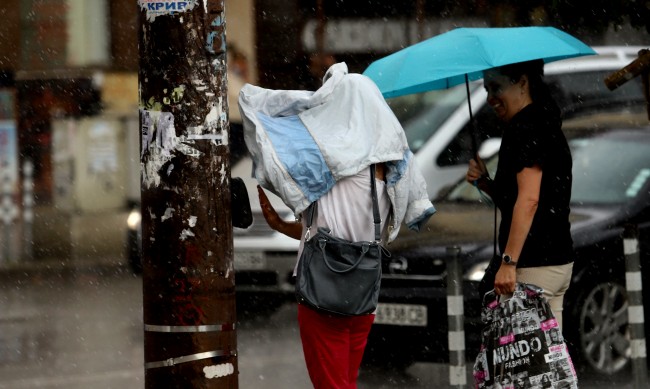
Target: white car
[264, 258]
[437, 123]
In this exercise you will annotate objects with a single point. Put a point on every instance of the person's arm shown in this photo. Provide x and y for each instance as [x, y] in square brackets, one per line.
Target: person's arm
[290, 229]
[529, 182]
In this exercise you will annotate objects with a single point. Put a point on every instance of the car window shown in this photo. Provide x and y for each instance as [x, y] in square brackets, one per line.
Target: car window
[577, 93]
[466, 192]
[459, 150]
[422, 114]
[609, 170]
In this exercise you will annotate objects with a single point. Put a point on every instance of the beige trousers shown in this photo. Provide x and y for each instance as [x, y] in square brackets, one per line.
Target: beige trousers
[553, 279]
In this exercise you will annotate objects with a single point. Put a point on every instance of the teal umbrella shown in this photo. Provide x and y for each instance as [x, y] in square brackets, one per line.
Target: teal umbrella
[461, 55]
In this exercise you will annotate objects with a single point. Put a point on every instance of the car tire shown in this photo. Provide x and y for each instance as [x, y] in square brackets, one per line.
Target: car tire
[597, 328]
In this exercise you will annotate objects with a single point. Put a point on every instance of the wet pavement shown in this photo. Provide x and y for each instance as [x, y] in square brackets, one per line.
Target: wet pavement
[83, 329]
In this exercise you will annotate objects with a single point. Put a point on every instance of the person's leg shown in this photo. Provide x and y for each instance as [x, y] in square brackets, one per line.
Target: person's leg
[555, 282]
[359, 330]
[325, 344]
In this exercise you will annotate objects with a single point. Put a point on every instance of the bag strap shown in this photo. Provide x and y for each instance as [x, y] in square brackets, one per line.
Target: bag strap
[375, 208]
[365, 246]
[375, 204]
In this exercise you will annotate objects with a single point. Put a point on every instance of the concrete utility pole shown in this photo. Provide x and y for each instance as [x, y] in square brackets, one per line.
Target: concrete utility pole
[188, 276]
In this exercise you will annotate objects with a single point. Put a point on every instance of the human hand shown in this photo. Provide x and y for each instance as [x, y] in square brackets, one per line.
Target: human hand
[269, 213]
[290, 229]
[475, 170]
[505, 280]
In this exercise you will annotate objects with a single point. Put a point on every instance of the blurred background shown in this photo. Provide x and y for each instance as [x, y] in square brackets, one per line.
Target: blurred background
[70, 162]
[69, 92]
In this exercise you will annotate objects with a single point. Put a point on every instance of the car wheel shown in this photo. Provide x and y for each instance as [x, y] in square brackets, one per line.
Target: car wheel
[602, 334]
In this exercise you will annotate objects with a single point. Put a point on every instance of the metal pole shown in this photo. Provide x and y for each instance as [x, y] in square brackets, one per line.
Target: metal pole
[634, 287]
[188, 274]
[28, 209]
[455, 319]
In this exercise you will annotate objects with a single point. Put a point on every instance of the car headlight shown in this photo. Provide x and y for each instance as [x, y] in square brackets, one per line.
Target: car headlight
[476, 272]
[133, 221]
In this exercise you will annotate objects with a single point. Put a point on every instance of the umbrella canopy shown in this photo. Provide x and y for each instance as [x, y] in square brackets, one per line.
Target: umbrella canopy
[462, 54]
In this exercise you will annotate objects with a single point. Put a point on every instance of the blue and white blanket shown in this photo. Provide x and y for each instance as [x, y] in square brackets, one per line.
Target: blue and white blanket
[303, 142]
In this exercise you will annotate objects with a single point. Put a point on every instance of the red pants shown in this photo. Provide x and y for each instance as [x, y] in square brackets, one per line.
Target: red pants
[333, 347]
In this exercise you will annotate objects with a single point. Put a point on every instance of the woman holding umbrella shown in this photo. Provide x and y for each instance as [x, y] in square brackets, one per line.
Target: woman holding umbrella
[532, 184]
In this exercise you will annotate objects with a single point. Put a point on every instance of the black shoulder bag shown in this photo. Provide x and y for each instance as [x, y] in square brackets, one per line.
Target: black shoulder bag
[339, 276]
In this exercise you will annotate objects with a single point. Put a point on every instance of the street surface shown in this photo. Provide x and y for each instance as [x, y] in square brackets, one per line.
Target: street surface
[79, 330]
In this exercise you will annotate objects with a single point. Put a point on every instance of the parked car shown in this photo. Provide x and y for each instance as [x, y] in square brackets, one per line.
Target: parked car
[611, 189]
[264, 258]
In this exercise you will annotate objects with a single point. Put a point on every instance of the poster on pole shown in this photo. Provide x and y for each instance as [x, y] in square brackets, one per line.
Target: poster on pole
[155, 8]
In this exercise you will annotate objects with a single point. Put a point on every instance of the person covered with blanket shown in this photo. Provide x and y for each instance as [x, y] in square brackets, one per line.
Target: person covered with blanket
[319, 147]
